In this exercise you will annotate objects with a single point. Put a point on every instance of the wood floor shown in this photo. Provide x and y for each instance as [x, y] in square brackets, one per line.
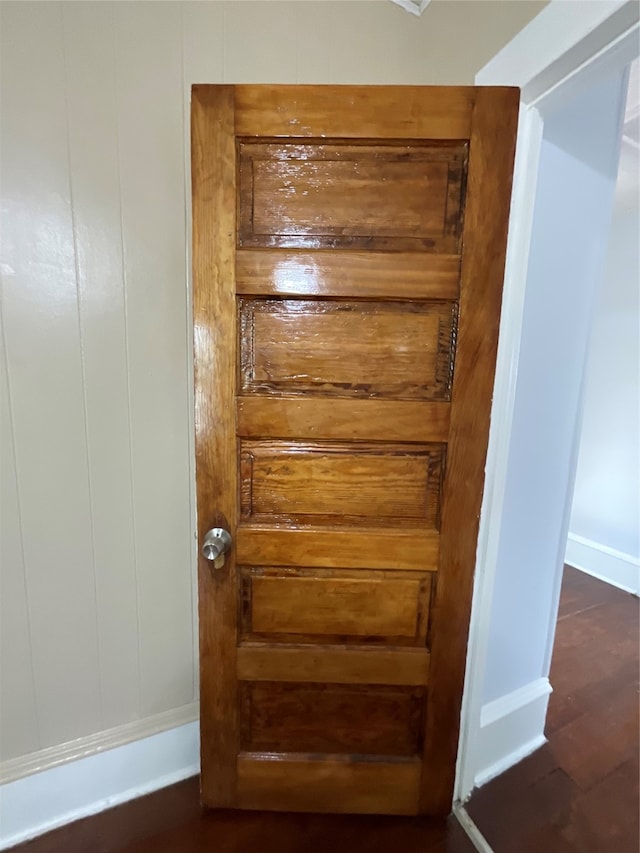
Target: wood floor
[170, 821]
[578, 794]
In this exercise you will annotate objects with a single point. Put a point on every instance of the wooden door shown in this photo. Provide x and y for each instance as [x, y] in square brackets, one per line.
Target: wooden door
[348, 259]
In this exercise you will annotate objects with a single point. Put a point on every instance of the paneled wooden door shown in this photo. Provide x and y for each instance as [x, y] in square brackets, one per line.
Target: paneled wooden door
[348, 260]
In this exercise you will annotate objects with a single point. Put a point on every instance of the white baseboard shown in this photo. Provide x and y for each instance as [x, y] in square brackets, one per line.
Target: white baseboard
[75, 789]
[83, 747]
[511, 728]
[606, 564]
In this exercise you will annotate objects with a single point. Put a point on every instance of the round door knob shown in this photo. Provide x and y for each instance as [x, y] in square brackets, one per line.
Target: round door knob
[216, 543]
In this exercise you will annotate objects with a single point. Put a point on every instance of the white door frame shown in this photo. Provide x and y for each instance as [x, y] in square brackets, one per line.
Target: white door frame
[565, 47]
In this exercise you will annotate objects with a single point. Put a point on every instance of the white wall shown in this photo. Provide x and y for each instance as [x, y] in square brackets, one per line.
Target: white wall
[605, 517]
[574, 203]
[97, 629]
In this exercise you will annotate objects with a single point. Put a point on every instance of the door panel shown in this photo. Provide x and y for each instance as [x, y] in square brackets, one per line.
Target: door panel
[348, 258]
[321, 196]
[335, 605]
[403, 350]
[293, 718]
[365, 483]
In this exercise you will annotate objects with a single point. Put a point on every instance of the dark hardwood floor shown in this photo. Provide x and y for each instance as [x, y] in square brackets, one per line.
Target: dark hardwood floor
[170, 821]
[578, 794]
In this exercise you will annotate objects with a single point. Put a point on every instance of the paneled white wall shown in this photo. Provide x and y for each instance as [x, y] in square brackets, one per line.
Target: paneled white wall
[95, 346]
[97, 620]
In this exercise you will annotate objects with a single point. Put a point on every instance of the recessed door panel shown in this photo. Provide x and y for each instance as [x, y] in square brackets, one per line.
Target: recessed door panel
[325, 482]
[330, 718]
[336, 195]
[403, 350]
[335, 605]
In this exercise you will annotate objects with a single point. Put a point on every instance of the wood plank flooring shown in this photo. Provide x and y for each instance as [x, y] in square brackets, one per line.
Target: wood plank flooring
[170, 821]
[578, 794]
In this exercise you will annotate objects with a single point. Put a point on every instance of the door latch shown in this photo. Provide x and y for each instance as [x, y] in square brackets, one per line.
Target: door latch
[215, 545]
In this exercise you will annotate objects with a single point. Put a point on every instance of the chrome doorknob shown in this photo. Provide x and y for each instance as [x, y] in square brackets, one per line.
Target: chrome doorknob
[215, 545]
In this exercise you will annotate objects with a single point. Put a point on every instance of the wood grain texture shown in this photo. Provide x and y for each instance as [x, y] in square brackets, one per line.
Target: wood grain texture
[343, 419]
[332, 785]
[316, 604]
[492, 149]
[334, 195]
[403, 350]
[333, 664]
[402, 275]
[361, 112]
[215, 359]
[339, 547]
[351, 483]
[330, 718]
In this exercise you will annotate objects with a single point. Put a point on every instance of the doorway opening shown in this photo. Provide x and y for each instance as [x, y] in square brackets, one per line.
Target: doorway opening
[571, 130]
[557, 254]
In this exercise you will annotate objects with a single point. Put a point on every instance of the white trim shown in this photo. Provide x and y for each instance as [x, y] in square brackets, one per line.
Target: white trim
[471, 828]
[562, 40]
[607, 564]
[83, 747]
[616, 55]
[511, 728]
[517, 261]
[68, 792]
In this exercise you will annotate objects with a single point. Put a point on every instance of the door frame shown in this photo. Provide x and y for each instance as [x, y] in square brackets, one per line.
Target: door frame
[562, 50]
